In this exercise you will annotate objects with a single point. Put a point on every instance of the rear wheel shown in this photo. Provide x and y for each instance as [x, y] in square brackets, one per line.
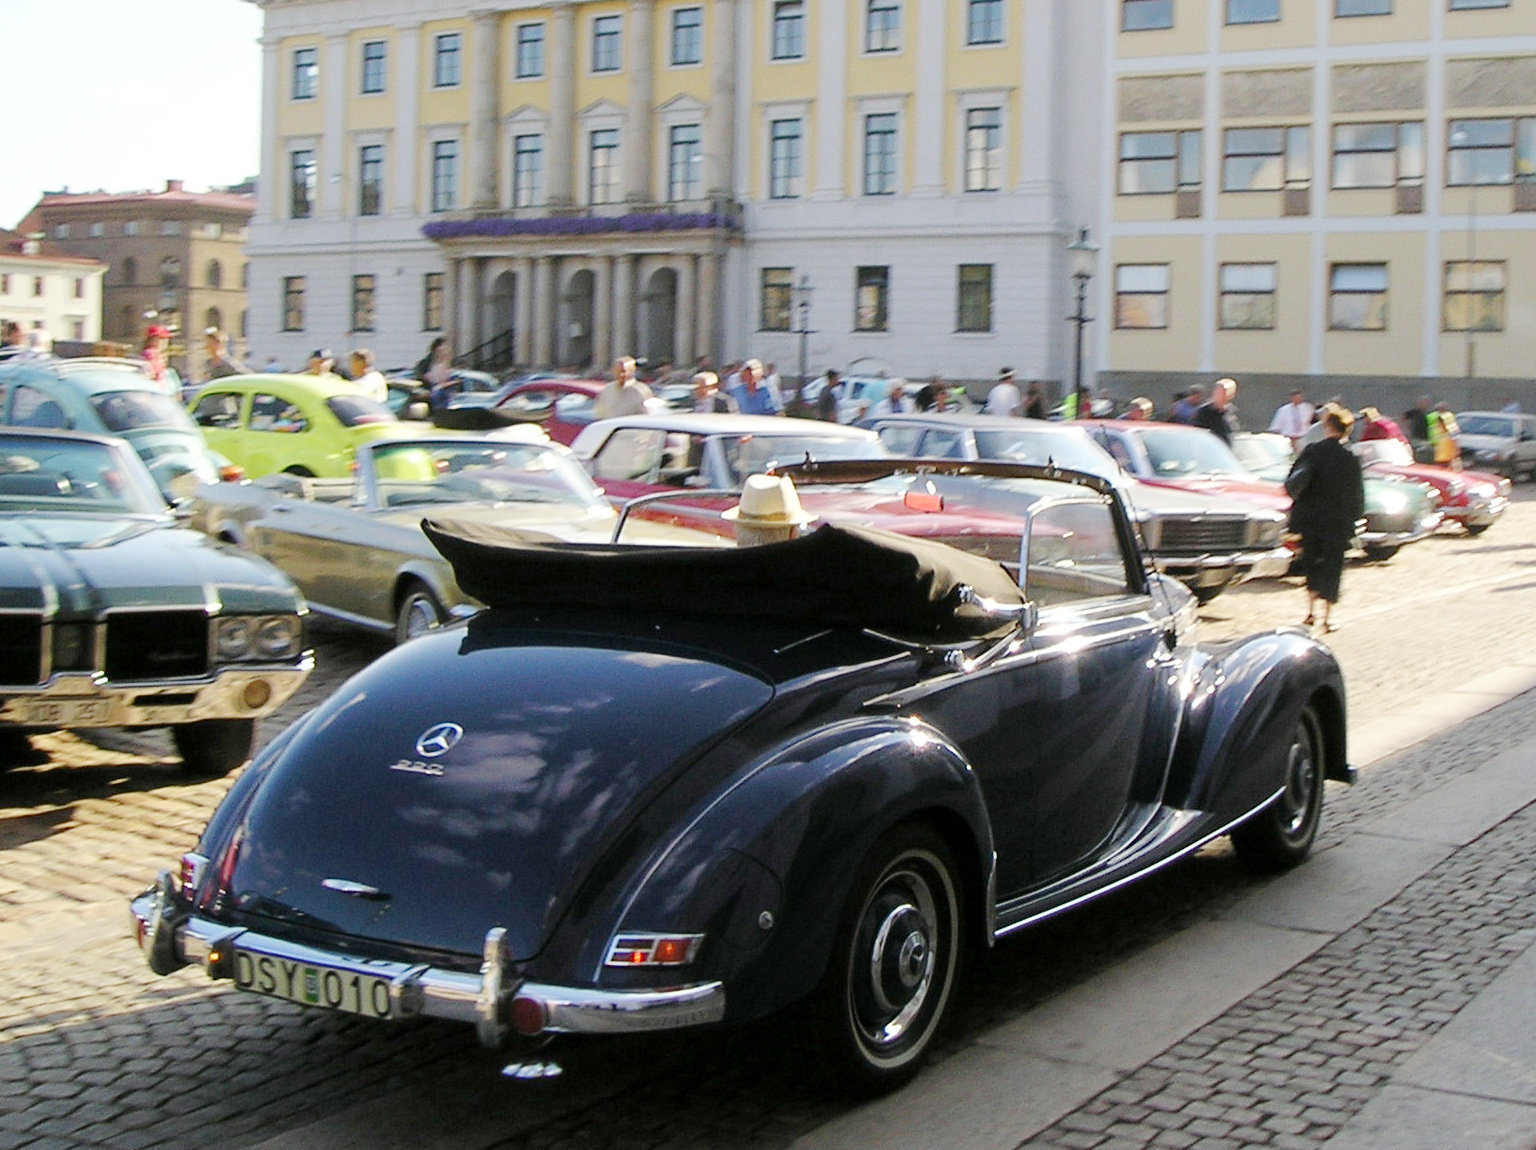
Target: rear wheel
[214, 746]
[300, 470]
[1476, 529]
[895, 961]
[418, 612]
[1281, 835]
[1383, 552]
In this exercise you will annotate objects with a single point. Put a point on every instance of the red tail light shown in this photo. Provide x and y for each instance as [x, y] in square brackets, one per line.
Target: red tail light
[232, 473]
[211, 894]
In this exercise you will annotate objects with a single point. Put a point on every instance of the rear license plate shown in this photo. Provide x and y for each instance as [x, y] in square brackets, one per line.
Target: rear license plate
[309, 985]
[66, 712]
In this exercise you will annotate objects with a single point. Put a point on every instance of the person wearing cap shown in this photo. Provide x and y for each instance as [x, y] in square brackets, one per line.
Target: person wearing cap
[769, 511]
[157, 340]
[322, 363]
[708, 399]
[1140, 409]
[365, 377]
[1004, 398]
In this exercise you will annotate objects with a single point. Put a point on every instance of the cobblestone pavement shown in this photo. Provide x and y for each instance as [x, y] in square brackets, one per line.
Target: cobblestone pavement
[96, 1052]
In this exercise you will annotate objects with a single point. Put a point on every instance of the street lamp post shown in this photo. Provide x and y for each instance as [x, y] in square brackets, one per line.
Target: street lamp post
[801, 301]
[1083, 253]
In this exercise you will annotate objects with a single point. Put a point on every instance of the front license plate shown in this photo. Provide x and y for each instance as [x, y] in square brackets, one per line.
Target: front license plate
[309, 985]
[66, 712]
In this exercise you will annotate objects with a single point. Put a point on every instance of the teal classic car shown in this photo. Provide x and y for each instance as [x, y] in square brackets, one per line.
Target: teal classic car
[113, 615]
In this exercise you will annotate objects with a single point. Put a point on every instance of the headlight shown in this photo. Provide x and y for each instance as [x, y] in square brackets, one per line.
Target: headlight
[1391, 502]
[279, 637]
[234, 637]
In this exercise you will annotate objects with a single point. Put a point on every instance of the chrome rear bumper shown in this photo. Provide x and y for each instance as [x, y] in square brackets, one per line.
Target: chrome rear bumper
[489, 1000]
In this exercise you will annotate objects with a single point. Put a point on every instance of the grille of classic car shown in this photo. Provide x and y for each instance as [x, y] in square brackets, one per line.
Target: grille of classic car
[156, 645]
[21, 649]
[1201, 533]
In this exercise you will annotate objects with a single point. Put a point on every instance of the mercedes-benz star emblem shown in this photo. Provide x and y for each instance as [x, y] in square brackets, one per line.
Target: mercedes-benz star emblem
[439, 740]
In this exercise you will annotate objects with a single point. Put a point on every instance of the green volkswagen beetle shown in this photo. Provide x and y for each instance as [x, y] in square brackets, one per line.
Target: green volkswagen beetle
[301, 424]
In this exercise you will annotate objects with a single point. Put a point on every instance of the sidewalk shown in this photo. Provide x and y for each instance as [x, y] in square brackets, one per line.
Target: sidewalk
[1379, 996]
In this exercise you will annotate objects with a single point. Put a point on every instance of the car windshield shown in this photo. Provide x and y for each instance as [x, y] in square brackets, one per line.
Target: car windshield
[1256, 452]
[1027, 445]
[358, 410]
[132, 410]
[751, 454]
[53, 475]
[1498, 425]
[1189, 451]
[410, 474]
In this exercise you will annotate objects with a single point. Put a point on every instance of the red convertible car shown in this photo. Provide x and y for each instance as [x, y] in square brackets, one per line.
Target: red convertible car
[1475, 499]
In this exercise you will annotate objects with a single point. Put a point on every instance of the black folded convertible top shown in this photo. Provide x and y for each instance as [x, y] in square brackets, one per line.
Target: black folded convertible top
[833, 577]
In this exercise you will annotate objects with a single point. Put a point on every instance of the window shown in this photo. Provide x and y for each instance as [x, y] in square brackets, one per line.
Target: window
[1490, 151]
[362, 303]
[170, 227]
[98, 230]
[210, 231]
[687, 35]
[5, 283]
[1159, 162]
[1362, 7]
[683, 156]
[974, 299]
[245, 275]
[784, 159]
[530, 51]
[131, 227]
[77, 329]
[306, 73]
[130, 271]
[1474, 295]
[880, 154]
[79, 288]
[983, 149]
[273, 413]
[1458, 5]
[527, 171]
[1074, 554]
[373, 67]
[789, 30]
[301, 184]
[605, 44]
[1357, 297]
[984, 22]
[170, 274]
[1248, 297]
[1377, 155]
[1141, 296]
[213, 317]
[1265, 159]
[882, 25]
[215, 274]
[293, 303]
[370, 179]
[432, 302]
[775, 296]
[1252, 11]
[1142, 15]
[445, 175]
[603, 167]
[445, 60]
[871, 299]
[629, 453]
[61, 231]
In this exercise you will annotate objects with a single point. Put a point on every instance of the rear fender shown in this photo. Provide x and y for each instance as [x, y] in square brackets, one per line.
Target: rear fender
[1241, 703]
[763, 870]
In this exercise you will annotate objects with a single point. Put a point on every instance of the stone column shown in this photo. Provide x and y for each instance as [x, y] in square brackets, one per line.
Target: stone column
[407, 133]
[268, 190]
[623, 305]
[929, 106]
[831, 47]
[466, 275]
[484, 104]
[544, 311]
[639, 144]
[522, 350]
[602, 309]
[707, 328]
[331, 155]
[685, 315]
[560, 137]
[719, 133]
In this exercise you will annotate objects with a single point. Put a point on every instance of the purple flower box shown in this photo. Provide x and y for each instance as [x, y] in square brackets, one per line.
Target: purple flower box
[576, 225]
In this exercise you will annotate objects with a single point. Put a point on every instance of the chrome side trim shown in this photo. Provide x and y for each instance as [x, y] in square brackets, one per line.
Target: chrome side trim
[1126, 879]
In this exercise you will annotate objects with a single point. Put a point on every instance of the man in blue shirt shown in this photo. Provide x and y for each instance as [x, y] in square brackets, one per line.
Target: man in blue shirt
[752, 395]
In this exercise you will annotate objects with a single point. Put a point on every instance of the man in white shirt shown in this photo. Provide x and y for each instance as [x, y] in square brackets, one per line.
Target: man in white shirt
[1292, 419]
[1004, 398]
[624, 395]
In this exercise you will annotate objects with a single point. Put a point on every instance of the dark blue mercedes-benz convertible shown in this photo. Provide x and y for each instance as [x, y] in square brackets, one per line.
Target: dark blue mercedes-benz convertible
[654, 787]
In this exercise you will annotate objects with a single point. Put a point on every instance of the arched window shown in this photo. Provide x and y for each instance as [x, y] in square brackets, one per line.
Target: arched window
[170, 273]
[130, 271]
[215, 318]
[215, 274]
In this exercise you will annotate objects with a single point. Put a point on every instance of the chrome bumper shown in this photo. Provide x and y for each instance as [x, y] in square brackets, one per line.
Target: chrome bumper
[1479, 512]
[86, 699]
[1218, 570]
[489, 1000]
[1423, 529]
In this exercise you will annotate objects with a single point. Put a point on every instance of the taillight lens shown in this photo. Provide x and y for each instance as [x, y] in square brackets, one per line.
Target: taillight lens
[193, 867]
[637, 949]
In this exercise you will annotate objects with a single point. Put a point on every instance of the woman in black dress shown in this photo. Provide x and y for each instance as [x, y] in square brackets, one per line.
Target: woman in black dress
[1327, 497]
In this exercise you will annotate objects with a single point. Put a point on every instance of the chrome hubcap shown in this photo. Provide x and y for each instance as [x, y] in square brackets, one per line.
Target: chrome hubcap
[898, 971]
[1301, 783]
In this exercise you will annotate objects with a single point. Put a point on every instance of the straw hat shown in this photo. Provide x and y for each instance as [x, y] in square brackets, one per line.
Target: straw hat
[769, 501]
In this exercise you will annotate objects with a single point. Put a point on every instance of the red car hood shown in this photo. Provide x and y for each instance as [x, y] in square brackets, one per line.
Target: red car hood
[1270, 495]
[1440, 478]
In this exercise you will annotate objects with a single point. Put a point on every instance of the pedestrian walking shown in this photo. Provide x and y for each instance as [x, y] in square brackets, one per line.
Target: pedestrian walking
[368, 379]
[751, 393]
[157, 341]
[1184, 409]
[1004, 398]
[624, 394]
[435, 371]
[1216, 414]
[1445, 436]
[220, 363]
[1327, 497]
[830, 396]
[708, 399]
[1292, 418]
[1034, 401]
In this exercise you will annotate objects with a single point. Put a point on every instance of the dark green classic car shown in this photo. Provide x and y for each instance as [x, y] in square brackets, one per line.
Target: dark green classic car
[112, 615]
